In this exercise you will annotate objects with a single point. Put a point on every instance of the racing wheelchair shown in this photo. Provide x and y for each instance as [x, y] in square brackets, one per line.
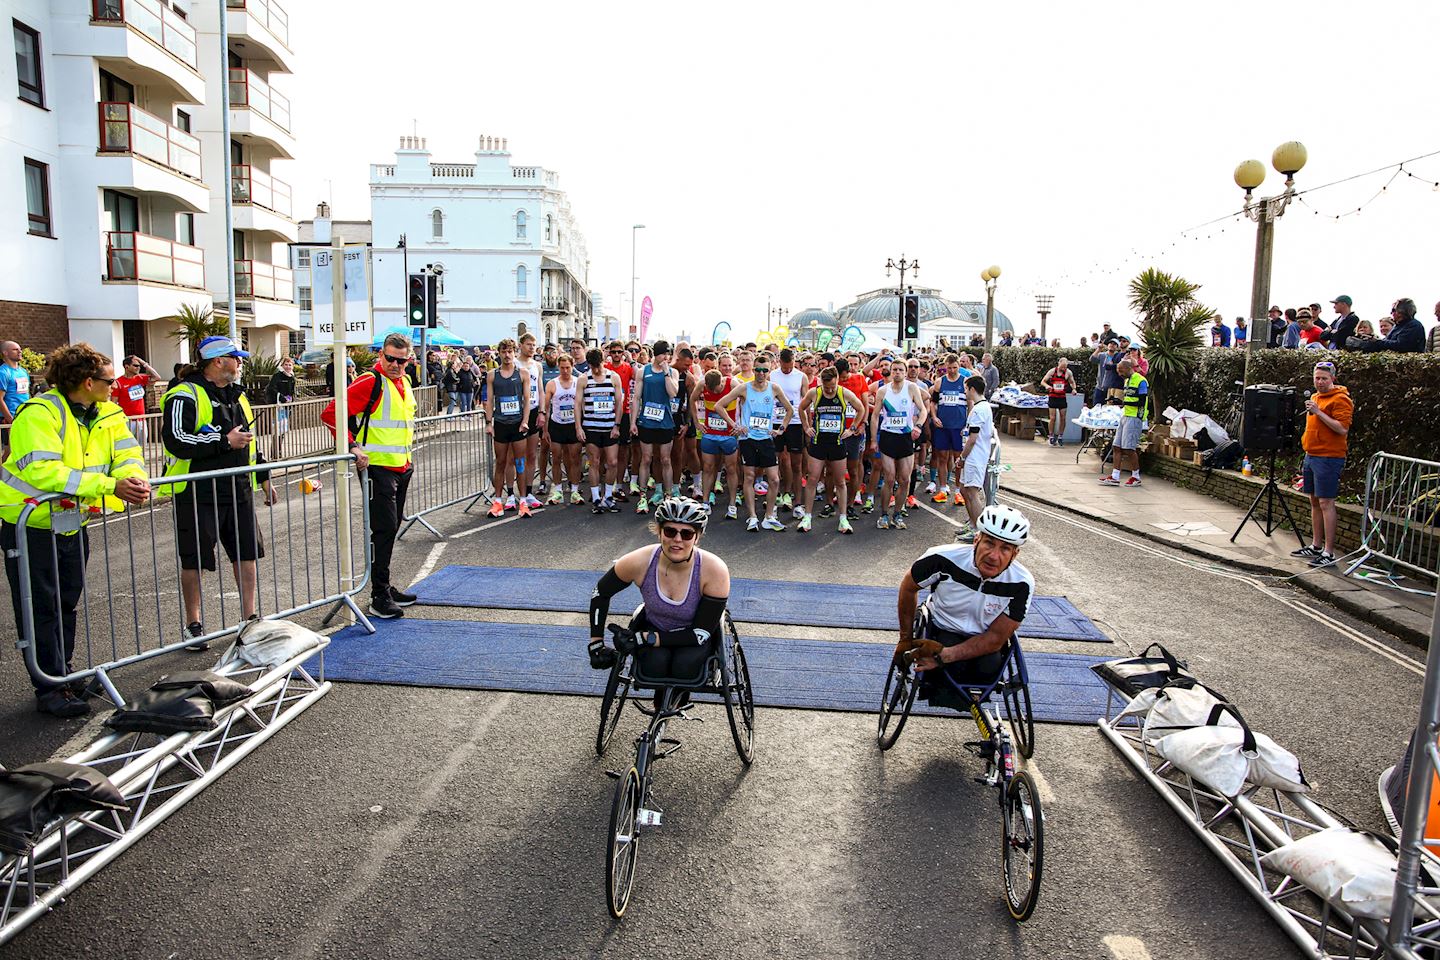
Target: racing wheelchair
[1022, 820]
[674, 673]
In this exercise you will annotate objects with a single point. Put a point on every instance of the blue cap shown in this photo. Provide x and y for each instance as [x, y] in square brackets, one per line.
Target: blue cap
[212, 347]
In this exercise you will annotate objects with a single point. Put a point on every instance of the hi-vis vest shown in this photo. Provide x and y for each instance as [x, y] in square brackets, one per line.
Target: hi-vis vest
[390, 430]
[204, 414]
[1136, 405]
[53, 452]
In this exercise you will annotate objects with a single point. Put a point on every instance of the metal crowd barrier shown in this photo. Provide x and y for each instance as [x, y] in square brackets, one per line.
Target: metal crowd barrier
[1401, 525]
[453, 461]
[132, 583]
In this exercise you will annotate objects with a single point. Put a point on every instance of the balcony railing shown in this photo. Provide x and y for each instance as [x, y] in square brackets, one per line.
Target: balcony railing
[249, 89]
[554, 303]
[154, 20]
[269, 14]
[248, 185]
[125, 128]
[265, 281]
[138, 256]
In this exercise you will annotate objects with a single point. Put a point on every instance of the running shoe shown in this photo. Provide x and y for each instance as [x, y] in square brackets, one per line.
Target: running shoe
[930, 487]
[597, 507]
[772, 523]
[786, 501]
[497, 509]
[532, 503]
[557, 496]
[883, 523]
[911, 502]
[899, 522]
[869, 505]
[845, 525]
[634, 486]
[718, 485]
[575, 498]
[196, 629]
[959, 499]
[1132, 482]
[1059, 441]
[523, 510]
[656, 497]
[852, 513]
[510, 502]
[965, 536]
[827, 511]
[642, 505]
[611, 506]
[761, 488]
[798, 510]
[752, 525]
[712, 499]
[1321, 559]
[731, 512]
[803, 526]
[942, 496]
[1306, 552]
[1050, 440]
[1109, 482]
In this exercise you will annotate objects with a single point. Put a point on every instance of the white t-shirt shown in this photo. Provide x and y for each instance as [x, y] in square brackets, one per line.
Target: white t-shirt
[533, 367]
[791, 383]
[983, 420]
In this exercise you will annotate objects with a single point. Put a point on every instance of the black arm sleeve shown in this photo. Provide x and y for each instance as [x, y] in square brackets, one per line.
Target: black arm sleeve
[708, 614]
[609, 585]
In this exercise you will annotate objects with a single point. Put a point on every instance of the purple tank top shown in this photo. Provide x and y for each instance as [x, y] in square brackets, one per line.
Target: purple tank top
[662, 612]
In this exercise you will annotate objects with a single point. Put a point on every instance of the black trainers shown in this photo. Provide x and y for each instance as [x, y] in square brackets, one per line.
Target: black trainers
[196, 629]
[827, 511]
[61, 702]
[401, 598]
[1306, 552]
[1321, 559]
[385, 608]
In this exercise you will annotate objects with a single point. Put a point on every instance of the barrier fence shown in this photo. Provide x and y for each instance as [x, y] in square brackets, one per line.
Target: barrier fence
[1401, 524]
[453, 461]
[138, 577]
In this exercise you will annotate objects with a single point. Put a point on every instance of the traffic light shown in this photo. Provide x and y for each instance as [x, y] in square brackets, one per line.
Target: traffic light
[910, 317]
[418, 300]
[432, 301]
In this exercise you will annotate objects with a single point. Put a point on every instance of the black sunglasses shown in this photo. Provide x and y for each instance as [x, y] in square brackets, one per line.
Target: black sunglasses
[389, 359]
[105, 380]
[683, 533]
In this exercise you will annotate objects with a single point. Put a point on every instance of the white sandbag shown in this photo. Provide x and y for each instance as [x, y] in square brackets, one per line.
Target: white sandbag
[1180, 708]
[269, 643]
[1348, 867]
[1187, 424]
[1140, 706]
[1226, 758]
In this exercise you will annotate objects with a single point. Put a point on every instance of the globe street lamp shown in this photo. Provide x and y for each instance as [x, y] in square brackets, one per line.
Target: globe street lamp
[990, 275]
[814, 334]
[1287, 159]
[1043, 302]
[777, 314]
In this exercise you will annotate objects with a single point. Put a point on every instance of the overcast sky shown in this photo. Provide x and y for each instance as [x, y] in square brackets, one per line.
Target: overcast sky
[784, 150]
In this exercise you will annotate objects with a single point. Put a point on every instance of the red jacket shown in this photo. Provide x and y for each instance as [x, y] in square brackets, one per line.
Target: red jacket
[357, 401]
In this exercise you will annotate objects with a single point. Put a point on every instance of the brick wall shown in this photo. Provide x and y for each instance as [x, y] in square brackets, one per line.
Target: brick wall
[37, 326]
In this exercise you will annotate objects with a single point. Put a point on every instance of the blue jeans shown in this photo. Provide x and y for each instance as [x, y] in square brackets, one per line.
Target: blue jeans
[467, 400]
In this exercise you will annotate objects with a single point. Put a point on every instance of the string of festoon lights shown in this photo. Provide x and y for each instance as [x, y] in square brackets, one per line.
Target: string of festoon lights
[1211, 229]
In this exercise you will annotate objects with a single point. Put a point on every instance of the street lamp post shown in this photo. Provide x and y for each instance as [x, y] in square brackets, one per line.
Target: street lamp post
[1043, 302]
[633, 277]
[903, 265]
[1287, 159]
[814, 334]
[990, 275]
[778, 314]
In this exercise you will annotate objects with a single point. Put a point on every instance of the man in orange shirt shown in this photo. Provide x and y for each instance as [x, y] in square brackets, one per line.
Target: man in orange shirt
[1329, 412]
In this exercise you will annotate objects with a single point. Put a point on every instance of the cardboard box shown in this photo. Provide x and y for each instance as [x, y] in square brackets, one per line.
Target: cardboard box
[1160, 431]
[1199, 458]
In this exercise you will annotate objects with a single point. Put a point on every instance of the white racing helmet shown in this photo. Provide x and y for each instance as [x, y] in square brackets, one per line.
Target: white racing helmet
[1004, 523]
[683, 510]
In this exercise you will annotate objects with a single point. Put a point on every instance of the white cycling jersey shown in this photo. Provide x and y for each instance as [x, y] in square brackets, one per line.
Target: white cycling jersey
[961, 600]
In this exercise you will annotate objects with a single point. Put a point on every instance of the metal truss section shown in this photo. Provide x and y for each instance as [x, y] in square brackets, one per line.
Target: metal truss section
[157, 775]
[1241, 830]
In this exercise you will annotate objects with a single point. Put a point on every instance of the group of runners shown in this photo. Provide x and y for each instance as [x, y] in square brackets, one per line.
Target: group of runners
[765, 431]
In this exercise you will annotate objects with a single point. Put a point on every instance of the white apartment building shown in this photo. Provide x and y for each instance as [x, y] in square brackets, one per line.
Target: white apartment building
[513, 256]
[117, 136]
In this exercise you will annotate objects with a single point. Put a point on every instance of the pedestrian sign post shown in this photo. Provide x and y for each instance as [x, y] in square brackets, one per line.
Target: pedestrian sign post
[357, 324]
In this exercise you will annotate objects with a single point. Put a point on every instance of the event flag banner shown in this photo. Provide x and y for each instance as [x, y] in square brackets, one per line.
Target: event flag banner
[720, 334]
[358, 320]
[852, 338]
[823, 340]
[646, 309]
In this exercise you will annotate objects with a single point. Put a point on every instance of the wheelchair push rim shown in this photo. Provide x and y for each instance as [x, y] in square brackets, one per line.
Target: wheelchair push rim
[623, 848]
[895, 704]
[1020, 714]
[612, 704]
[1023, 845]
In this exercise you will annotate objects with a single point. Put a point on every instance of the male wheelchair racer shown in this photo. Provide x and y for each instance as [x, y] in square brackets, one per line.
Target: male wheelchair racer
[674, 674]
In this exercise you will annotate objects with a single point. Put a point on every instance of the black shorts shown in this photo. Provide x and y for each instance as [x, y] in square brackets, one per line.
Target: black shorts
[509, 432]
[1059, 403]
[562, 433]
[759, 454]
[649, 435]
[828, 451]
[896, 446]
[200, 523]
[599, 437]
[977, 672]
[533, 422]
[793, 439]
[625, 430]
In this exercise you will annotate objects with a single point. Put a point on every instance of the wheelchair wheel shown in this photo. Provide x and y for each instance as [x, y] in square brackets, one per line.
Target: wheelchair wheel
[1021, 716]
[1022, 853]
[895, 703]
[624, 845]
[612, 705]
[739, 695]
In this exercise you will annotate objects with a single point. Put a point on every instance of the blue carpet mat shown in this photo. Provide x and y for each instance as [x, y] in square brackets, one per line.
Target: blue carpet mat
[751, 601]
[541, 658]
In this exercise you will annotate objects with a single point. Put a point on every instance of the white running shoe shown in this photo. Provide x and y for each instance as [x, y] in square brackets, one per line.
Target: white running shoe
[773, 523]
[532, 503]
[752, 525]
[731, 513]
[510, 502]
[930, 487]
[761, 488]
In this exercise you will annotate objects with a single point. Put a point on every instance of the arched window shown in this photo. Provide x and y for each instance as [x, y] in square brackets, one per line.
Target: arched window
[521, 284]
[437, 224]
[520, 219]
[549, 227]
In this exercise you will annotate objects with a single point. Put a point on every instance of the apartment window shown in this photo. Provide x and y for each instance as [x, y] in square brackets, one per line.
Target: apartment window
[305, 298]
[302, 257]
[182, 121]
[122, 211]
[185, 228]
[27, 64]
[520, 283]
[296, 342]
[37, 197]
[520, 224]
[437, 225]
[115, 90]
[549, 228]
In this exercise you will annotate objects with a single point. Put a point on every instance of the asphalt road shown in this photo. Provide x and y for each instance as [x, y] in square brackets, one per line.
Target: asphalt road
[402, 822]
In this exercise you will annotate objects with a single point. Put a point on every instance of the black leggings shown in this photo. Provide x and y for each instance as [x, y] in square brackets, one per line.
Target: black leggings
[976, 672]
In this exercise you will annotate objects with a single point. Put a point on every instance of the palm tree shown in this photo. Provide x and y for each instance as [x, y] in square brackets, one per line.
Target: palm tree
[1156, 295]
[194, 324]
[1170, 321]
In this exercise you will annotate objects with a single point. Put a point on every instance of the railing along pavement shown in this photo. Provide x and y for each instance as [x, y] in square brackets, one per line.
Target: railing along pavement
[132, 602]
[1401, 524]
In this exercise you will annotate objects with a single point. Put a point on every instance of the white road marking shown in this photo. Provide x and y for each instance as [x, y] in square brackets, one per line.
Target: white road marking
[484, 526]
[1042, 786]
[430, 561]
[1126, 948]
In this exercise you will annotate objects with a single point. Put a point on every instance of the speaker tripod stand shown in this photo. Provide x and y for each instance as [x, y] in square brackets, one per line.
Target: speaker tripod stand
[1269, 494]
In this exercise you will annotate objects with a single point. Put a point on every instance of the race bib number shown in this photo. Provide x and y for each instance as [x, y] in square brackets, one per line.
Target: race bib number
[604, 405]
[717, 423]
[951, 400]
[510, 406]
[757, 422]
[564, 413]
[22, 383]
[674, 404]
[136, 392]
[653, 412]
[897, 424]
[830, 423]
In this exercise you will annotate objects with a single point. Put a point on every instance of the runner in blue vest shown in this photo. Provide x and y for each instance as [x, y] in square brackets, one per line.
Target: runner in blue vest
[654, 423]
[757, 429]
[947, 404]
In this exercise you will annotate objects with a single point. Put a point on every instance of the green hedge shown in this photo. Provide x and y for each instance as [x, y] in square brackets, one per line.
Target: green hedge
[1029, 364]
